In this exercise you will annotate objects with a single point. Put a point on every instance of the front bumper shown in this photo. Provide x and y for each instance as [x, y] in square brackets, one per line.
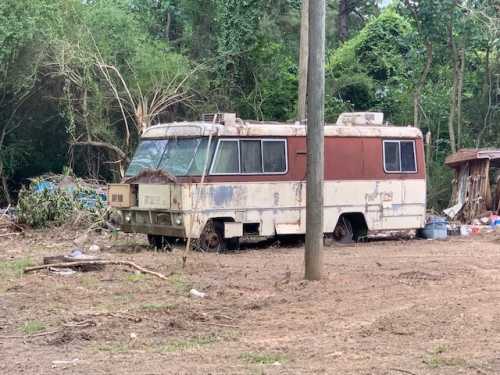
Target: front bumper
[160, 223]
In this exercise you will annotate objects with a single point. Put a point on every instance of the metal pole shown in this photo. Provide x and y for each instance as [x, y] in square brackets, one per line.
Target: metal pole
[315, 140]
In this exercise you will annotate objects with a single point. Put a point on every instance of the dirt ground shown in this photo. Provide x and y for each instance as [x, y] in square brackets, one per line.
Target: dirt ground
[394, 307]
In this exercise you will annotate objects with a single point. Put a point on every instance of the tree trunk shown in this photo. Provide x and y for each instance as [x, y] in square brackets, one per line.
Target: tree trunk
[421, 84]
[303, 60]
[453, 96]
[5, 185]
[460, 85]
[343, 20]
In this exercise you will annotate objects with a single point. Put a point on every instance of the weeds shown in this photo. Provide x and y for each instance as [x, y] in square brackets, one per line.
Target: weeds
[33, 326]
[136, 277]
[14, 267]
[263, 358]
[179, 283]
[158, 306]
[437, 360]
[187, 344]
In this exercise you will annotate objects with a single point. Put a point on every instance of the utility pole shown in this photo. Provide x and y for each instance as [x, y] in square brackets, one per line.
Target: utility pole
[315, 140]
[303, 60]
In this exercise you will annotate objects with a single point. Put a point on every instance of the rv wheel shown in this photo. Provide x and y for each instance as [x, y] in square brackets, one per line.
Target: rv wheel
[159, 242]
[212, 237]
[343, 232]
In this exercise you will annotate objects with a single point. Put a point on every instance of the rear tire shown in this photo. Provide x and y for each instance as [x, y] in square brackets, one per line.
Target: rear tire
[212, 238]
[343, 233]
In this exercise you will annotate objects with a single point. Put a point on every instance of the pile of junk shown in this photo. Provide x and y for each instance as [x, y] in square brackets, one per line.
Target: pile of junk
[475, 199]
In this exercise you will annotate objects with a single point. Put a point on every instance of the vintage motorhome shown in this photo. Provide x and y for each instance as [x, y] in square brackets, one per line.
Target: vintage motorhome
[255, 180]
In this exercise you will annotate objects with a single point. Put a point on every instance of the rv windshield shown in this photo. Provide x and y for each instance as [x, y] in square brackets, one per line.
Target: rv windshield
[177, 156]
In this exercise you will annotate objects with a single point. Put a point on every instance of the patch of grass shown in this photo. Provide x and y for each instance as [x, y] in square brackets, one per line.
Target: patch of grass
[14, 267]
[436, 359]
[136, 277]
[152, 306]
[179, 283]
[191, 343]
[33, 326]
[114, 348]
[263, 358]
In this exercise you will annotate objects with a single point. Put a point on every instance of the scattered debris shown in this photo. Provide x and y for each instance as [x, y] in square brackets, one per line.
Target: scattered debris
[76, 256]
[436, 228]
[96, 263]
[197, 294]
[57, 364]
[8, 226]
[94, 249]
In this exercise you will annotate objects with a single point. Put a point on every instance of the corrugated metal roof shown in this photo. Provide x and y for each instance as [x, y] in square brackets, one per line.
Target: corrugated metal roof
[250, 129]
[468, 154]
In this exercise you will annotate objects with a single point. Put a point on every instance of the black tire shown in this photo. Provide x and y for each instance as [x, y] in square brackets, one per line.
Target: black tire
[159, 242]
[212, 237]
[232, 244]
[343, 233]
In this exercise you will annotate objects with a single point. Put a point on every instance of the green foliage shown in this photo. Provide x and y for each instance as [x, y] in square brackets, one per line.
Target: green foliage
[276, 88]
[263, 358]
[371, 71]
[33, 326]
[14, 267]
[40, 205]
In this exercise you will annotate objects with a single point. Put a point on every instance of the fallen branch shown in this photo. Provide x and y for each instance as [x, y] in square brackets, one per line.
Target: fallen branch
[26, 337]
[402, 371]
[97, 262]
[10, 234]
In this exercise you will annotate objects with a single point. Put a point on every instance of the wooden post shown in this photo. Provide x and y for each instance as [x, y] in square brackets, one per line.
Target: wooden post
[315, 140]
[303, 60]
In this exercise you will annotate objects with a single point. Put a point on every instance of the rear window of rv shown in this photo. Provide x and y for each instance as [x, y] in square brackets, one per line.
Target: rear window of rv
[400, 157]
[250, 156]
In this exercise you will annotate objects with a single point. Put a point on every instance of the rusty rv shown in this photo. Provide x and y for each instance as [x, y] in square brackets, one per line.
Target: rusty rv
[218, 181]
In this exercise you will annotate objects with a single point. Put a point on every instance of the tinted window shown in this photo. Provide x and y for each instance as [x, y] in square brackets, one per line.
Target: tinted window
[408, 157]
[251, 157]
[274, 155]
[399, 156]
[226, 159]
[392, 161]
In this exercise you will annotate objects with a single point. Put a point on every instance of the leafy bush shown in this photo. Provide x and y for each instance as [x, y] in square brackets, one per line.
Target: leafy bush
[39, 206]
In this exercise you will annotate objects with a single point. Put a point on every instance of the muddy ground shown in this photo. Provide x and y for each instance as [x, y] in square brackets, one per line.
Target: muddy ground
[413, 307]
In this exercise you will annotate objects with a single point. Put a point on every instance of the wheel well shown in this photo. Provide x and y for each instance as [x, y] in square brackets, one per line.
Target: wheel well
[222, 219]
[358, 222]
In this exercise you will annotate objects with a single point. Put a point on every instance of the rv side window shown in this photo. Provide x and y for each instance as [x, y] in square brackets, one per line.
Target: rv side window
[274, 156]
[227, 158]
[399, 157]
[251, 156]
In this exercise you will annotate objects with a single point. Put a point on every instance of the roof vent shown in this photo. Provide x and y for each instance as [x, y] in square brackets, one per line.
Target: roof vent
[219, 118]
[361, 119]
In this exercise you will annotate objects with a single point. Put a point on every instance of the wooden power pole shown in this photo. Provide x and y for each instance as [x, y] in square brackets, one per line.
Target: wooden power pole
[315, 139]
[303, 61]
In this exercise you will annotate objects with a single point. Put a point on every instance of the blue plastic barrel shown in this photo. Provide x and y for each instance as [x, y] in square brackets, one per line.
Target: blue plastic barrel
[436, 228]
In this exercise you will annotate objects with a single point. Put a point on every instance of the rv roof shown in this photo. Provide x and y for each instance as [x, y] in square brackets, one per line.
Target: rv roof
[253, 129]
